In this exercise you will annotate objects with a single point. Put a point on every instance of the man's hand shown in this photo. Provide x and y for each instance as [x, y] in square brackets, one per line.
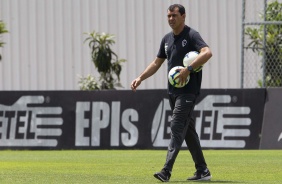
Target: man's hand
[149, 71]
[183, 74]
[135, 83]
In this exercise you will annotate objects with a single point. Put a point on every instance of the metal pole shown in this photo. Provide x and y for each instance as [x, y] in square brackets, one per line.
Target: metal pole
[264, 47]
[242, 42]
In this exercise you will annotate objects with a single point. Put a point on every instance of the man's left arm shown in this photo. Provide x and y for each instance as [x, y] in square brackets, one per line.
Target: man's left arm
[204, 55]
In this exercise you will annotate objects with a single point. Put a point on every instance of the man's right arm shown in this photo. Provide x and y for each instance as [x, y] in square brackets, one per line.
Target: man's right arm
[151, 69]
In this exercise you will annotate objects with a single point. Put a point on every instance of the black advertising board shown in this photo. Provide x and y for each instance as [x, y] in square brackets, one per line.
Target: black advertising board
[230, 118]
[122, 119]
[272, 122]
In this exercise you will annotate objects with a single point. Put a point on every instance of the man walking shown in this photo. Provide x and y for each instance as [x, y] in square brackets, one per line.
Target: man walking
[174, 45]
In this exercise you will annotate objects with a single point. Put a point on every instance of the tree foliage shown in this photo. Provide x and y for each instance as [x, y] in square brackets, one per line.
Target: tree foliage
[2, 31]
[105, 60]
[272, 51]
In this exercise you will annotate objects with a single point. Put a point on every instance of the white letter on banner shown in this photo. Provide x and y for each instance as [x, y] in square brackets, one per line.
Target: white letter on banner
[81, 123]
[115, 123]
[100, 119]
[131, 138]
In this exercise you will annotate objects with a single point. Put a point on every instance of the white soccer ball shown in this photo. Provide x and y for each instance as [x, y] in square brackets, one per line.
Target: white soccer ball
[172, 74]
[189, 58]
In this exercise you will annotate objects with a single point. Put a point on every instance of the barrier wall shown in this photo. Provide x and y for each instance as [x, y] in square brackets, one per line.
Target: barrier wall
[225, 119]
[272, 120]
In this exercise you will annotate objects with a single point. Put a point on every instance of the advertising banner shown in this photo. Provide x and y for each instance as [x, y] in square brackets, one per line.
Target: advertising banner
[122, 119]
[272, 122]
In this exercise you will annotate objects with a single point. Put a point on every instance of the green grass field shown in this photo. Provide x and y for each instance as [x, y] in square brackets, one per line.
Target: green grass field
[136, 166]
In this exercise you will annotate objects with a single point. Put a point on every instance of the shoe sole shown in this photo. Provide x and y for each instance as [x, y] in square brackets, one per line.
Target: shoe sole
[207, 178]
[160, 178]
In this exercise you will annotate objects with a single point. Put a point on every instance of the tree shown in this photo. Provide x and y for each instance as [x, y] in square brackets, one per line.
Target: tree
[105, 61]
[2, 31]
[271, 49]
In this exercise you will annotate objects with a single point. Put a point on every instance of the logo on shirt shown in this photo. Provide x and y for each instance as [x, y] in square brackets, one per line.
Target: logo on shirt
[166, 46]
[184, 42]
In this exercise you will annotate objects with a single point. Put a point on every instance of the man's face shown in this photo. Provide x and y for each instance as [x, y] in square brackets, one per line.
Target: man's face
[174, 18]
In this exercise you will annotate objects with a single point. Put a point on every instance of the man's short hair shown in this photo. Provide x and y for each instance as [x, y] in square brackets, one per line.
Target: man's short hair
[181, 8]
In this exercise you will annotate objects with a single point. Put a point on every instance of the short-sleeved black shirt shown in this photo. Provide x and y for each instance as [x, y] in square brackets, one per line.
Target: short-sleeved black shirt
[173, 48]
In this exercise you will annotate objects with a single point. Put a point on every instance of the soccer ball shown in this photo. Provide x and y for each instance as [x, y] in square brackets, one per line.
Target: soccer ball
[175, 82]
[189, 58]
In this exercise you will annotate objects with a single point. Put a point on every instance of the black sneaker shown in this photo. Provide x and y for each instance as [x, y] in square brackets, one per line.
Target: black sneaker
[164, 175]
[201, 176]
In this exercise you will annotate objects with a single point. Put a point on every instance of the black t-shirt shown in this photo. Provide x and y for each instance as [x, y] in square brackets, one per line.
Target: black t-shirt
[174, 48]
